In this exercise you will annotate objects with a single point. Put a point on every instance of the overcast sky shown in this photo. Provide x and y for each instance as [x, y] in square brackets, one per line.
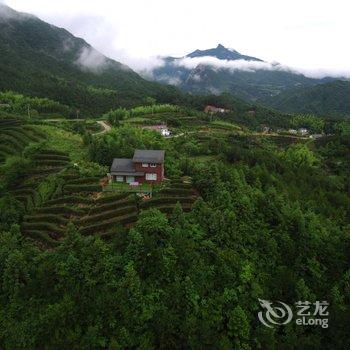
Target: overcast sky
[306, 34]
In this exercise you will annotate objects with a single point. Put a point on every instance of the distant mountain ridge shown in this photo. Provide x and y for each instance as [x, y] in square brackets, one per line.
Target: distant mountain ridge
[222, 53]
[247, 77]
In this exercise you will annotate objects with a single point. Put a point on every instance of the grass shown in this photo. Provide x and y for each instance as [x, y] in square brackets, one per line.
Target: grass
[124, 187]
[66, 142]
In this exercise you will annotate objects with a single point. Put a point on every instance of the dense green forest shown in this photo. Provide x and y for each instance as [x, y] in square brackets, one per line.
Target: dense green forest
[248, 210]
[326, 100]
[257, 218]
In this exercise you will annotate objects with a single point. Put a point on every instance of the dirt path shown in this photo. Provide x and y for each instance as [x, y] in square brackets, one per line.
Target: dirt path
[105, 127]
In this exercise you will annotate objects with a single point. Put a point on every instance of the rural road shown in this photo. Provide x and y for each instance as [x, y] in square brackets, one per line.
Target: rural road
[105, 127]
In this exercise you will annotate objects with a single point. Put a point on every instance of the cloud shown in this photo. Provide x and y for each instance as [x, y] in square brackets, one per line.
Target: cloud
[252, 66]
[92, 60]
[215, 63]
[298, 33]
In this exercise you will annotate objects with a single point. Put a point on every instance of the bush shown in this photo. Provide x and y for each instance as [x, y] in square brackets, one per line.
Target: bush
[84, 180]
[50, 218]
[107, 215]
[155, 202]
[81, 188]
[123, 220]
[69, 200]
[177, 191]
[111, 198]
[48, 162]
[43, 226]
[40, 236]
[62, 210]
[43, 156]
[112, 205]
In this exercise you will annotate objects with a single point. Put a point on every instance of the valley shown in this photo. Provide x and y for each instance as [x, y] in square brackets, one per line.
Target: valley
[139, 215]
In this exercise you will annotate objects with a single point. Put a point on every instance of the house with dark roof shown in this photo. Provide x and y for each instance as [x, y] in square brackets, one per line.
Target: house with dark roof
[145, 166]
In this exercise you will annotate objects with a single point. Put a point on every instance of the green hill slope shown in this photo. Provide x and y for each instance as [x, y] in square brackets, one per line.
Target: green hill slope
[40, 59]
[330, 99]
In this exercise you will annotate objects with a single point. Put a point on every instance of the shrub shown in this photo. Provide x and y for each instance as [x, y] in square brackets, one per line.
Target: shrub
[82, 188]
[111, 206]
[43, 156]
[43, 226]
[177, 191]
[108, 215]
[40, 236]
[63, 210]
[69, 200]
[123, 220]
[111, 198]
[50, 218]
[166, 200]
[84, 180]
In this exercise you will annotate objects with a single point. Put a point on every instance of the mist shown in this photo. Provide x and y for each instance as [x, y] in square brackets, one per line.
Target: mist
[309, 37]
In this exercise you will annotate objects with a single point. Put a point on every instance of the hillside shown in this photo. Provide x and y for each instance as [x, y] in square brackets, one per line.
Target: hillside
[87, 264]
[225, 70]
[40, 59]
[329, 100]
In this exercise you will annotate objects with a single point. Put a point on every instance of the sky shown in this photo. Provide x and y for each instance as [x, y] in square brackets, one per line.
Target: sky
[311, 36]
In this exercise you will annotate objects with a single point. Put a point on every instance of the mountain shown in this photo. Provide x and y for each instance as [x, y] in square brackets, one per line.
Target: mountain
[329, 99]
[222, 53]
[39, 59]
[225, 70]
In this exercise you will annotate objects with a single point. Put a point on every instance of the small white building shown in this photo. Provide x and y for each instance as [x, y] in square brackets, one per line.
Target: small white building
[303, 131]
[162, 129]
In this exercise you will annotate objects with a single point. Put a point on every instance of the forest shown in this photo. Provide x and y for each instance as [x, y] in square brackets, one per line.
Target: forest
[256, 219]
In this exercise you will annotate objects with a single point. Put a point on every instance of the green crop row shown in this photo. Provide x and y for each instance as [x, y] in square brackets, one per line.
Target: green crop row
[123, 220]
[112, 205]
[42, 156]
[111, 198]
[40, 236]
[50, 162]
[43, 226]
[166, 200]
[177, 191]
[84, 180]
[52, 151]
[35, 131]
[107, 215]
[50, 218]
[69, 200]
[81, 188]
[6, 149]
[17, 144]
[60, 209]
[19, 134]
[9, 122]
[168, 209]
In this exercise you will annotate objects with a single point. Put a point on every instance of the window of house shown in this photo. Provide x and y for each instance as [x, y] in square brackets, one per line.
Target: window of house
[120, 178]
[151, 177]
[144, 165]
[153, 165]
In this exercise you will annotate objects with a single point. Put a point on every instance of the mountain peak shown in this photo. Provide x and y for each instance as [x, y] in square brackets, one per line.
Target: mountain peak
[222, 53]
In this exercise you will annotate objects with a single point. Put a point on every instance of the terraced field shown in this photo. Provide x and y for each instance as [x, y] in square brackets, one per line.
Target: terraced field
[44, 163]
[94, 212]
[15, 136]
[48, 221]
